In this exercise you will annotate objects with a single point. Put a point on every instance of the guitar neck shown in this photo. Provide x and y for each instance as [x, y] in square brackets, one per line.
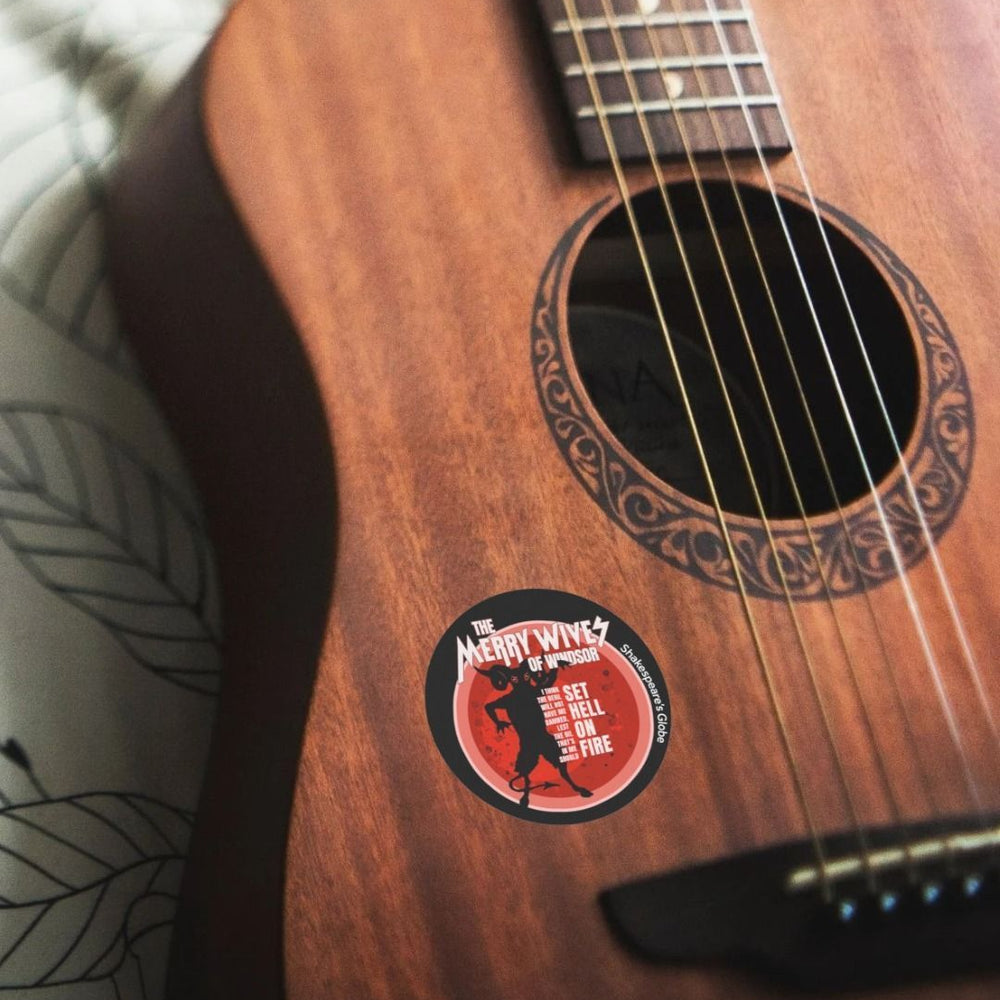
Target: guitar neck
[666, 78]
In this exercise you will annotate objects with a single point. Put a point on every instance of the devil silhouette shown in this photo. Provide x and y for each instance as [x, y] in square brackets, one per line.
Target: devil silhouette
[528, 721]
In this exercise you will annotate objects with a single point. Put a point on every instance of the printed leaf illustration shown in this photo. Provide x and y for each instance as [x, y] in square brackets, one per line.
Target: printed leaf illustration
[73, 81]
[82, 881]
[101, 529]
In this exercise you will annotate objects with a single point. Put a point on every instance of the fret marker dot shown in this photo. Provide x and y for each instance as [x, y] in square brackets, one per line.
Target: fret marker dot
[675, 85]
[649, 6]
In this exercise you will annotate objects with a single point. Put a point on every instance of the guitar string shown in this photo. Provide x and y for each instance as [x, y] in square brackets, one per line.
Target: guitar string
[913, 607]
[924, 779]
[947, 591]
[572, 16]
[883, 773]
[807, 656]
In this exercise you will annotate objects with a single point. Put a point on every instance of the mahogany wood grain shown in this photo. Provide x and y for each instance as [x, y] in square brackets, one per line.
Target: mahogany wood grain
[402, 174]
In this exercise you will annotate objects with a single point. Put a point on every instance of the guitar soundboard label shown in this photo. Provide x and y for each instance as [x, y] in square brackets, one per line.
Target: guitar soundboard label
[548, 706]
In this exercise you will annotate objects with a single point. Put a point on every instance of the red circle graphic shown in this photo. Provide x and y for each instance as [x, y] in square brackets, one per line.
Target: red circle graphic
[596, 713]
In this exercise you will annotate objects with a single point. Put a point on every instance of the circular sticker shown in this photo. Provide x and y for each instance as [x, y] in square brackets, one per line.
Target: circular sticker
[547, 706]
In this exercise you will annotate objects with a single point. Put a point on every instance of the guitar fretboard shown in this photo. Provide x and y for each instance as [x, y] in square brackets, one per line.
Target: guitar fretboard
[693, 64]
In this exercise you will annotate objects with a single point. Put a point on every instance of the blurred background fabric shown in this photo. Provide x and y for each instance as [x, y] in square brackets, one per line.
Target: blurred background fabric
[109, 613]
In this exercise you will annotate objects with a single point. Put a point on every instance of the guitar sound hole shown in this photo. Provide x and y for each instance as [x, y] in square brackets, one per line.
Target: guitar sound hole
[623, 362]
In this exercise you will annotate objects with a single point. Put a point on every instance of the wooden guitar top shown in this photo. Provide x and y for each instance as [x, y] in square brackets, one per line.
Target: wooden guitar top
[362, 410]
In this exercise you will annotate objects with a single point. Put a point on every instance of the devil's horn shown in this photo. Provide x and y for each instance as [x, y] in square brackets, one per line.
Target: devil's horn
[497, 668]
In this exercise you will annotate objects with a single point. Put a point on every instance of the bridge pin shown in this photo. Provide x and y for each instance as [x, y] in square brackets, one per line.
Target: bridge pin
[931, 893]
[887, 902]
[971, 885]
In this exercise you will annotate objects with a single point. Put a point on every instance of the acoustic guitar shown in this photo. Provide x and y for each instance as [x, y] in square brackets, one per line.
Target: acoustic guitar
[593, 403]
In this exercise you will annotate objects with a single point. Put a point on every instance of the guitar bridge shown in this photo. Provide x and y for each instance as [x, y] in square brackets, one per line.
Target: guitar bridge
[920, 902]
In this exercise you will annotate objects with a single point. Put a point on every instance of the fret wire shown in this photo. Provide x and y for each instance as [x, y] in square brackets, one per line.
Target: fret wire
[667, 62]
[658, 20]
[644, 64]
[681, 104]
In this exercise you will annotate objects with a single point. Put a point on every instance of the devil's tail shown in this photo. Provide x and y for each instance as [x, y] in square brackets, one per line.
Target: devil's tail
[527, 786]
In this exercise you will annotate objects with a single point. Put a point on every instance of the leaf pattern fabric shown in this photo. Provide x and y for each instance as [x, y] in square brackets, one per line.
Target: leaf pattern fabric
[110, 622]
[101, 528]
[96, 873]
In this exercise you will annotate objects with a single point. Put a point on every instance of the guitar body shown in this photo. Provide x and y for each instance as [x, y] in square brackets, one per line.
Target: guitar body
[405, 177]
